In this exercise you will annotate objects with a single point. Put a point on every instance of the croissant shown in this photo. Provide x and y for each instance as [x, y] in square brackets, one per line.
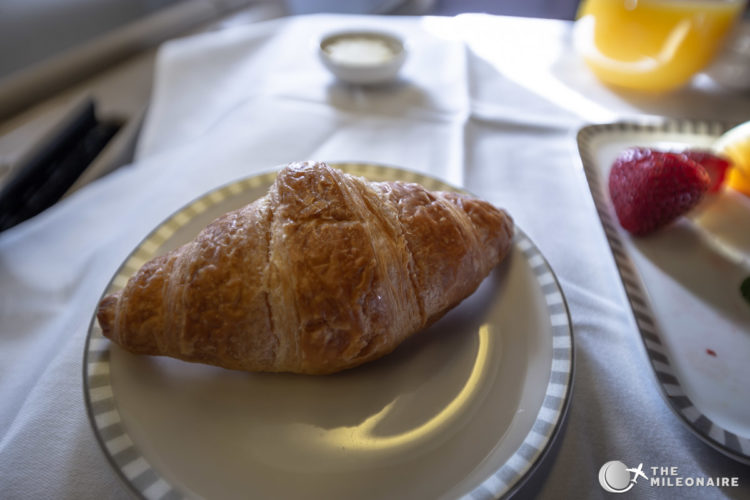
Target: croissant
[325, 272]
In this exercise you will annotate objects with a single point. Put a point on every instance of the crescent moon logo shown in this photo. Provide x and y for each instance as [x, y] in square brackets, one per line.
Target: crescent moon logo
[614, 477]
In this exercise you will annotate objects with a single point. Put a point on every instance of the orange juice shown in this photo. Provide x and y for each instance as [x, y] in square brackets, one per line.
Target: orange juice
[653, 45]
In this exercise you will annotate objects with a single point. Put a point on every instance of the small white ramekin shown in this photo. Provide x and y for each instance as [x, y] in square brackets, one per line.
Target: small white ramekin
[364, 72]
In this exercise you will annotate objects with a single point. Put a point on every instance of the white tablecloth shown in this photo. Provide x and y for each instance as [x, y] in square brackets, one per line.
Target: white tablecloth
[488, 103]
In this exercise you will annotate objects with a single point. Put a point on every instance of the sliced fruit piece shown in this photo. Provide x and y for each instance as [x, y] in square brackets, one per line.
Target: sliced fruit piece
[649, 188]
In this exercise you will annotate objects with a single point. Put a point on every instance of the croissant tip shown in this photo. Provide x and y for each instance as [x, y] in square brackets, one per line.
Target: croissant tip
[106, 314]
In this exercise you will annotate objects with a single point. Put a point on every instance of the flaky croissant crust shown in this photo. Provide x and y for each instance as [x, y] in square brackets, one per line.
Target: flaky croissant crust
[325, 272]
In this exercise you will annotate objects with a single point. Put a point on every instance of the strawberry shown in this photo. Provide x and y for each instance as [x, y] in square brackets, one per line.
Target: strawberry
[649, 188]
[716, 166]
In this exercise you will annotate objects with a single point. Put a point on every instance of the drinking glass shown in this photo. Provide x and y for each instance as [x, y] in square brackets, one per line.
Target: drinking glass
[652, 45]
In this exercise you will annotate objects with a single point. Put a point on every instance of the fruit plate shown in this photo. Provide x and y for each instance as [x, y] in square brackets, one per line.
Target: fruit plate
[683, 284]
[468, 408]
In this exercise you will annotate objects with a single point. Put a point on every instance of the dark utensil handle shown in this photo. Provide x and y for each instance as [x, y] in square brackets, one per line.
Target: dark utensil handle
[54, 166]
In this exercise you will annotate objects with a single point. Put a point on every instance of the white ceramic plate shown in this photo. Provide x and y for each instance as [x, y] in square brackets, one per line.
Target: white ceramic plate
[467, 408]
[683, 284]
